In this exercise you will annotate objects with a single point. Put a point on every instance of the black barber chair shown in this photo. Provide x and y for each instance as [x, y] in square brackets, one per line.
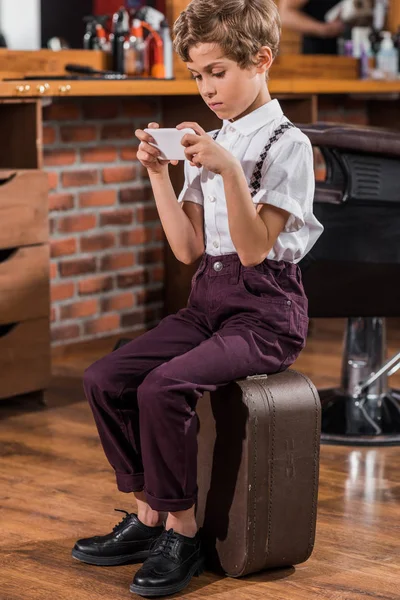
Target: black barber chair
[353, 271]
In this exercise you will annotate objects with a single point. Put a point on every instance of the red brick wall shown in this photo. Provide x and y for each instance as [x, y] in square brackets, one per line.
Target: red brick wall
[106, 239]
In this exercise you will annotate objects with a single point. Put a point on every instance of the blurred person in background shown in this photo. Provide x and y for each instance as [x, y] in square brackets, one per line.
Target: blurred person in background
[308, 18]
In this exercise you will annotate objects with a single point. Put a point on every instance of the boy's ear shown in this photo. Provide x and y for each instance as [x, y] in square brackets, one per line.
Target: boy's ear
[264, 59]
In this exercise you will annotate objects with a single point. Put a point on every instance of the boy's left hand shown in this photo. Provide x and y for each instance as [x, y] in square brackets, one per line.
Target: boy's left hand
[202, 151]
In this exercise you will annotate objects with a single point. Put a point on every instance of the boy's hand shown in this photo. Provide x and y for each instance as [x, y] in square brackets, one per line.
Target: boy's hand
[148, 155]
[203, 151]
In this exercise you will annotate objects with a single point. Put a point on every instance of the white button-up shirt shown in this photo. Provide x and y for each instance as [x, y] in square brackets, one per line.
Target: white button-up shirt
[287, 181]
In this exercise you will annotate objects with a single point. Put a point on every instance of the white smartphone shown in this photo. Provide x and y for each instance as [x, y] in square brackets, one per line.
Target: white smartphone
[168, 141]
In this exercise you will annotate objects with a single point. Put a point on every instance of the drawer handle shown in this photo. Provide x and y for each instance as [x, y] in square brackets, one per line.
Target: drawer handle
[5, 329]
[4, 181]
[7, 254]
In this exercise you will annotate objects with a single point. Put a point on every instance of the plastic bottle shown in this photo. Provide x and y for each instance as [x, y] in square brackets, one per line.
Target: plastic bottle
[168, 50]
[154, 53]
[135, 51]
[364, 62]
[90, 40]
[387, 58]
[120, 31]
[396, 43]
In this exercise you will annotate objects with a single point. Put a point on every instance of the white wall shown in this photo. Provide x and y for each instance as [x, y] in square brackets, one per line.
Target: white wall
[20, 23]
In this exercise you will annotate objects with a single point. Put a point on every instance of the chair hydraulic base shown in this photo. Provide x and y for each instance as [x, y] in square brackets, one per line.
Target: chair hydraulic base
[364, 411]
[351, 421]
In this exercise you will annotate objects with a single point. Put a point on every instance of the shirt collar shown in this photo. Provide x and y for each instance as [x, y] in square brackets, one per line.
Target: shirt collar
[255, 120]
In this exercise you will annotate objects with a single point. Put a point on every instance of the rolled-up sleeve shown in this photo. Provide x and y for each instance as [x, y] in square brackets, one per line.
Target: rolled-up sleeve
[191, 191]
[287, 182]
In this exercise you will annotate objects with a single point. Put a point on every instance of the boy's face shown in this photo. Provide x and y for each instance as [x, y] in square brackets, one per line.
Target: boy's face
[231, 92]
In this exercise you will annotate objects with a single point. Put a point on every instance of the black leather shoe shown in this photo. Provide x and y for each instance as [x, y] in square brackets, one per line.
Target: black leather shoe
[129, 542]
[172, 562]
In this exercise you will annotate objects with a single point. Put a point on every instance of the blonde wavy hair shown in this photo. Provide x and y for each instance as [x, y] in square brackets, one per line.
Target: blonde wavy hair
[240, 27]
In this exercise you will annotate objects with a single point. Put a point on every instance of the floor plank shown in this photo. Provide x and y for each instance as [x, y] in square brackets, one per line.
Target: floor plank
[57, 486]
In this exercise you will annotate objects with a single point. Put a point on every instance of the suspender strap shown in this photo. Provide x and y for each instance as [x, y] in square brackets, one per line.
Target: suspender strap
[255, 182]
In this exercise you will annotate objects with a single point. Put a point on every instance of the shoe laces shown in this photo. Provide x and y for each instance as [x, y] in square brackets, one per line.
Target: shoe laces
[164, 544]
[127, 516]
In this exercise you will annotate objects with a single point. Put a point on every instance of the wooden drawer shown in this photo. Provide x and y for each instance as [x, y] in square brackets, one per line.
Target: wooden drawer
[24, 357]
[23, 208]
[24, 283]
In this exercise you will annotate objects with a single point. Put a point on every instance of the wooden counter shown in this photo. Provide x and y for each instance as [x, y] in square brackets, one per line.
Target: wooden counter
[56, 88]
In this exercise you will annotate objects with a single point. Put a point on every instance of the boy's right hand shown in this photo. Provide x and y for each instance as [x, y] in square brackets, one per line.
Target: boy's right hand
[148, 155]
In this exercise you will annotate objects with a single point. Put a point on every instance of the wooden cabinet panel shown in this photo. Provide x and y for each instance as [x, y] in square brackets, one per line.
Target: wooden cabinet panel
[23, 208]
[24, 283]
[24, 357]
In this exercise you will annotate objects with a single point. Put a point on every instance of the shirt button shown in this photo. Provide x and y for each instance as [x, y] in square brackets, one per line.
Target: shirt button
[216, 244]
[289, 302]
[218, 266]
[211, 198]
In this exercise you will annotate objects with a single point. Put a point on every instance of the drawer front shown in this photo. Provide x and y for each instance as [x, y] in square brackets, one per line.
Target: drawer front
[24, 284]
[23, 208]
[24, 357]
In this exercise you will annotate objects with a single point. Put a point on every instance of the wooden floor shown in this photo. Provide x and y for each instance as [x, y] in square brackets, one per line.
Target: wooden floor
[56, 486]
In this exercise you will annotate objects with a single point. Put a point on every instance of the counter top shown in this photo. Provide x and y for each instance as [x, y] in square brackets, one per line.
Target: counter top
[52, 88]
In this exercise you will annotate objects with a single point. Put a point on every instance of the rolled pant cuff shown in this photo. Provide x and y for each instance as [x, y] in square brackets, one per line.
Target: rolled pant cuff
[129, 483]
[173, 505]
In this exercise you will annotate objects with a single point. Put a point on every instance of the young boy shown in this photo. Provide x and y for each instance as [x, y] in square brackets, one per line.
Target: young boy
[246, 208]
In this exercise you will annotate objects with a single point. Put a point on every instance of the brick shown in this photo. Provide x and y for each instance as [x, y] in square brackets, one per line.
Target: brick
[78, 133]
[97, 198]
[151, 255]
[62, 291]
[135, 236]
[137, 194]
[117, 132]
[53, 180]
[76, 223]
[132, 278]
[133, 319]
[61, 202]
[158, 234]
[49, 135]
[128, 153]
[79, 178]
[102, 324]
[78, 310]
[116, 217]
[95, 285]
[65, 332]
[53, 314]
[157, 274]
[140, 108]
[78, 266]
[62, 111]
[101, 109]
[53, 270]
[58, 157]
[147, 214]
[106, 154]
[143, 173]
[113, 262]
[63, 247]
[149, 296]
[119, 174]
[117, 303]
[96, 243]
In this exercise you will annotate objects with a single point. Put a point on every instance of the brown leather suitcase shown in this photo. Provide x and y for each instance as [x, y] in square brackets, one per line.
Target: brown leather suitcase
[258, 466]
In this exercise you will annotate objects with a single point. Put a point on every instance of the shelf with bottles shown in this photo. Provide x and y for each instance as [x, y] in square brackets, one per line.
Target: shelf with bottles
[138, 41]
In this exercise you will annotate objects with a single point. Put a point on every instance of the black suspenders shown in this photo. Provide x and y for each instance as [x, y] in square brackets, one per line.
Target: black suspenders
[255, 181]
